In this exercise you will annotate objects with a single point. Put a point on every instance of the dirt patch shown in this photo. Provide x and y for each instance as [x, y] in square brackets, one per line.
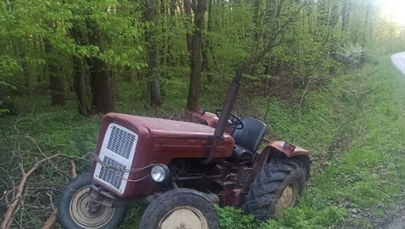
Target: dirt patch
[395, 219]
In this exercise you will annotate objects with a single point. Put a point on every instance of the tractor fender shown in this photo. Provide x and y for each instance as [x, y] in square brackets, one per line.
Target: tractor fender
[273, 150]
[276, 149]
[287, 149]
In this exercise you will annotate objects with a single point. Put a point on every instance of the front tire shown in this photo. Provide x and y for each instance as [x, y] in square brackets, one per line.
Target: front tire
[180, 208]
[275, 188]
[77, 211]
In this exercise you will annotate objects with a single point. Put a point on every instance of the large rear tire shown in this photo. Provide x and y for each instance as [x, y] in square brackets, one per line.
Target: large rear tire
[77, 211]
[180, 208]
[275, 188]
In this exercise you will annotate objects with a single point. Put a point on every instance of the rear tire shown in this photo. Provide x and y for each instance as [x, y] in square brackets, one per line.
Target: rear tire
[180, 208]
[75, 210]
[275, 188]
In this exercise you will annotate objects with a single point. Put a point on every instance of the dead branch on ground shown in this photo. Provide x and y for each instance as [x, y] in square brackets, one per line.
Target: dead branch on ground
[15, 203]
[73, 169]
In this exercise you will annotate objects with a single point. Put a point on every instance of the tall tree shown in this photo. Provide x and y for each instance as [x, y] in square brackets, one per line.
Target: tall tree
[151, 16]
[56, 80]
[345, 15]
[196, 59]
[93, 81]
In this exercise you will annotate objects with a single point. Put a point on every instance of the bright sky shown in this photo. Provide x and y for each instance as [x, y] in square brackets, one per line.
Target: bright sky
[395, 9]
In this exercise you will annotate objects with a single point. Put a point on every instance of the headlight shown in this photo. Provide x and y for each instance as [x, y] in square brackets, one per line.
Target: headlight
[159, 172]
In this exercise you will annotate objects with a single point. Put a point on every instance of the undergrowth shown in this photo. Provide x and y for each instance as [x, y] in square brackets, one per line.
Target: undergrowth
[354, 129]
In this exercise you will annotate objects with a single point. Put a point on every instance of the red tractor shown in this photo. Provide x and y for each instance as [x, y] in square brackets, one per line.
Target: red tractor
[181, 169]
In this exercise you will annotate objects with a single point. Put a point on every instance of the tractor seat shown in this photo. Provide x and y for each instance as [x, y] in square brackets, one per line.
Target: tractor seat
[247, 139]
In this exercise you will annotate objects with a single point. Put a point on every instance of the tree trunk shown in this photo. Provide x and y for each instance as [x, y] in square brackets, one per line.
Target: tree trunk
[93, 83]
[199, 8]
[367, 23]
[151, 15]
[189, 21]
[345, 15]
[103, 87]
[56, 83]
[256, 32]
[207, 48]
[81, 85]
[56, 86]
[172, 8]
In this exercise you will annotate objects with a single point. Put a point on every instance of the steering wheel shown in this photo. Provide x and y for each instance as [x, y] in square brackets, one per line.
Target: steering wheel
[233, 122]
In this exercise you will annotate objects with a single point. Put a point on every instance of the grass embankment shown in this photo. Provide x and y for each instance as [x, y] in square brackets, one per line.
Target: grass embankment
[354, 129]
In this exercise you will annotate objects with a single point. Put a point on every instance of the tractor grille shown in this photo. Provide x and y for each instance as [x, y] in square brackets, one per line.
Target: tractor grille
[120, 142]
[116, 157]
[112, 172]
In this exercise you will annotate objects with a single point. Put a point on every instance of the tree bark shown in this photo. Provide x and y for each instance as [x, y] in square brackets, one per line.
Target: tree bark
[103, 89]
[345, 15]
[367, 22]
[81, 85]
[56, 83]
[57, 87]
[151, 16]
[199, 8]
[172, 8]
[256, 32]
[93, 82]
[207, 48]
[103, 96]
[189, 22]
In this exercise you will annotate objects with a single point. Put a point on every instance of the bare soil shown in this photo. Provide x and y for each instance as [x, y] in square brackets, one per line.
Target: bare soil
[395, 219]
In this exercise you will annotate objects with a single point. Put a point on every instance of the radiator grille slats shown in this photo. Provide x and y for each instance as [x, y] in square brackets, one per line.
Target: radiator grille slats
[120, 142]
[112, 172]
[116, 157]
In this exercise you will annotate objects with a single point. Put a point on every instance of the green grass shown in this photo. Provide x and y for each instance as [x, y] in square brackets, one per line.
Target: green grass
[354, 129]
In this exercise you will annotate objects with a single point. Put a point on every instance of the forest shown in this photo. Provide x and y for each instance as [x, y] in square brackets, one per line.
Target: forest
[312, 70]
[92, 51]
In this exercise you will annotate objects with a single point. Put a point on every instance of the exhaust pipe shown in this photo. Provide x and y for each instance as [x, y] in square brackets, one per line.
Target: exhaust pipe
[227, 107]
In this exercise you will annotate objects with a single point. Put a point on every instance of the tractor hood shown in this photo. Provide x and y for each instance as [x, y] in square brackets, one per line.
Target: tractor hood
[128, 146]
[164, 128]
[161, 140]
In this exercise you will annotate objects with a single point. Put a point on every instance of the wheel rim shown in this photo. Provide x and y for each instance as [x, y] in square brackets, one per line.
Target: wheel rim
[184, 217]
[287, 198]
[86, 213]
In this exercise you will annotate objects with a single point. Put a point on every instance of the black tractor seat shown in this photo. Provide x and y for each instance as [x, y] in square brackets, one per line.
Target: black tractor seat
[247, 139]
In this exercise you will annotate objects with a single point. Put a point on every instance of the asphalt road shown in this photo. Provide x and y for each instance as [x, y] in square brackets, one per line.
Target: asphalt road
[398, 223]
[399, 61]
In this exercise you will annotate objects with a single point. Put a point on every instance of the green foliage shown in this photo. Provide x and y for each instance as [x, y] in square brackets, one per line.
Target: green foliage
[9, 67]
[230, 38]
[231, 218]
[352, 124]
[306, 217]
[304, 37]
[133, 217]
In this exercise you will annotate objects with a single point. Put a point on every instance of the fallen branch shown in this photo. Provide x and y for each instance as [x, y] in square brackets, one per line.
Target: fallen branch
[302, 98]
[305, 92]
[51, 220]
[15, 203]
[73, 169]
